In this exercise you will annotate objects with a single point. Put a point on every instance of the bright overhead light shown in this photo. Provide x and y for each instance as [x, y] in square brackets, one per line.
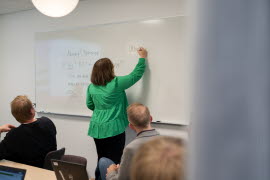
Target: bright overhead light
[55, 8]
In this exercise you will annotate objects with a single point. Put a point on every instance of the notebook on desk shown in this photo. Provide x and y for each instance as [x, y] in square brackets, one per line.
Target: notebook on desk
[69, 171]
[9, 173]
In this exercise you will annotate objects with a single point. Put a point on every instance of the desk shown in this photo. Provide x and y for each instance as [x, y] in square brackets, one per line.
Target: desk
[32, 173]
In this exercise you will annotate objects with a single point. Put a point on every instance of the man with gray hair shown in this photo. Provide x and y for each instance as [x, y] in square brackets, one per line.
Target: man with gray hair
[140, 121]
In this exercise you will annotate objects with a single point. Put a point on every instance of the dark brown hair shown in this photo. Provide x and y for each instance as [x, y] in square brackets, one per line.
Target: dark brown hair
[160, 158]
[21, 108]
[103, 72]
[138, 115]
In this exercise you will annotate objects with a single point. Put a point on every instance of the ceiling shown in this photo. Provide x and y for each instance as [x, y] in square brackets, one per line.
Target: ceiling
[11, 6]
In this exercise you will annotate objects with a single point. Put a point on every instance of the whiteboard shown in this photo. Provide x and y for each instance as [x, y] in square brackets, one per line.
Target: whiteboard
[64, 60]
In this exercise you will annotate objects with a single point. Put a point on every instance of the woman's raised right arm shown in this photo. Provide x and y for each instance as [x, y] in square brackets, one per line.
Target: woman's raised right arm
[125, 82]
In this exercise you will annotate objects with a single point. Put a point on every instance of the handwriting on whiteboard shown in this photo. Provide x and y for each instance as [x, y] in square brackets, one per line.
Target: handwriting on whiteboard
[82, 52]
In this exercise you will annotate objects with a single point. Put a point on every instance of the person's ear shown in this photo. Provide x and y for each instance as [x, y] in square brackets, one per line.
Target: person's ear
[33, 111]
[151, 118]
[131, 126]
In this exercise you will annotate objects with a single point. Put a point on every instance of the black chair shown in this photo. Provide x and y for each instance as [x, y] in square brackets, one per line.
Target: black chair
[53, 155]
[75, 159]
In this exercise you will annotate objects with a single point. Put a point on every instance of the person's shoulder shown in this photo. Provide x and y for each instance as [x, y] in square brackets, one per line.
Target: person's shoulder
[134, 144]
[14, 132]
[139, 141]
[46, 123]
[45, 120]
[91, 86]
[115, 83]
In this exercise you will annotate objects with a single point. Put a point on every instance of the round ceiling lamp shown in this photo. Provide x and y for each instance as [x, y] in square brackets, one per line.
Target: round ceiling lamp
[55, 8]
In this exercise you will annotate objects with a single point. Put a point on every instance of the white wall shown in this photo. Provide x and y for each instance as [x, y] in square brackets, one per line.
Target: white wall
[17, 60]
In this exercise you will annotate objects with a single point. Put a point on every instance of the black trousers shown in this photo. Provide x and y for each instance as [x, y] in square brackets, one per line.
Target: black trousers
[111, 147]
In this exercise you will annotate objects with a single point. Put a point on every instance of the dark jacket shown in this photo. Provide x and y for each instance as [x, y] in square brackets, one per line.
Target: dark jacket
[29, 143]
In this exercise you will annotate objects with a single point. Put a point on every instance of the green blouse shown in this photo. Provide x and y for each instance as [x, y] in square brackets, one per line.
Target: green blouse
[109, 104]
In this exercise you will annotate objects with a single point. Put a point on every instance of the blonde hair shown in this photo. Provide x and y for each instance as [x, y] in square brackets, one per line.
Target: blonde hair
[138, 115]
[21, 109]
[158, 159]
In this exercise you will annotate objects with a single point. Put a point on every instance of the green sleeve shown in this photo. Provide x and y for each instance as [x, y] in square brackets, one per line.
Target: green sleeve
[125, 82]
[89, 101]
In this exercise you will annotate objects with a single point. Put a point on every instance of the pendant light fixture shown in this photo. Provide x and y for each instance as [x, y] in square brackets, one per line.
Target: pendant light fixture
[55, 8]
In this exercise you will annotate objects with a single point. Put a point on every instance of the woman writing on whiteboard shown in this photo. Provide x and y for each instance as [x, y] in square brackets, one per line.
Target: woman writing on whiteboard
[107, 99]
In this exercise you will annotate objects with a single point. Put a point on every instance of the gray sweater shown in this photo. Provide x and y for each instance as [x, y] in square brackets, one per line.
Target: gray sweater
[123, 172]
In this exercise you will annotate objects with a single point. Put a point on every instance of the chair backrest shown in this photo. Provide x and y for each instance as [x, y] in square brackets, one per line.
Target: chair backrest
[75, 159]
[53, 155]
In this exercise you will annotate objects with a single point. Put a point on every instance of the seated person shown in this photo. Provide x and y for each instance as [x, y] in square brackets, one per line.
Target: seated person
[32, 140]
[160, 158]
[139, 120]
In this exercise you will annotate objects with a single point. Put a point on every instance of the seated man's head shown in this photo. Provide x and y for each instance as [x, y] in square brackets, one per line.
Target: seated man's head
[139, 117]
[160, 158]
[22, 109]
